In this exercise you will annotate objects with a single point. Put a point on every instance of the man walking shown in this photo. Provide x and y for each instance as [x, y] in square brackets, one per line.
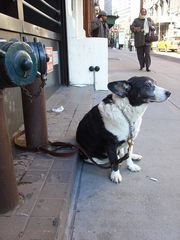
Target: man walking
[141, 27]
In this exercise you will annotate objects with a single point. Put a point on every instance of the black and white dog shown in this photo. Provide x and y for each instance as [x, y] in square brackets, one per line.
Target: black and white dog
[109, 129]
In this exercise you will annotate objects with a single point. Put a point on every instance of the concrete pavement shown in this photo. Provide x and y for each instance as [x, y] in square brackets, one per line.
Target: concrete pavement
[146, 205]
[138, 208]
[168, 54]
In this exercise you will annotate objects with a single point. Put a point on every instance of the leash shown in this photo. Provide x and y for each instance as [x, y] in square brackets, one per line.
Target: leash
[50, 148]
[59, 149]
[131, 128]
[130, 140]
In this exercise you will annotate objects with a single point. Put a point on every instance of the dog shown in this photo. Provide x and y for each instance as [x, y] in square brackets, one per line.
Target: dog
[107, 132]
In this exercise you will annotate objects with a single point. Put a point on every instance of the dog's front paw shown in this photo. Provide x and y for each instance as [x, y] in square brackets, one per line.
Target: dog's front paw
[116, 176]
[136, 157]
[134, 168]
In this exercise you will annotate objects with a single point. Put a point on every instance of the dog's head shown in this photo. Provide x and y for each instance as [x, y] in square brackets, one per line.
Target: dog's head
[139, 90]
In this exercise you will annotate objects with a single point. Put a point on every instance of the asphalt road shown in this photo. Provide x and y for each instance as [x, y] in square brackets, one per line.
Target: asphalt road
[145, 205]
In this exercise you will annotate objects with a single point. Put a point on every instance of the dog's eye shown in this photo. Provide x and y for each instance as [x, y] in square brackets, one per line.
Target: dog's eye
[148, 85]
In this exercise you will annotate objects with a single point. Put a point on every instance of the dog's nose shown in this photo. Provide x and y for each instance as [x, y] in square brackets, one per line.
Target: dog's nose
[168, 93]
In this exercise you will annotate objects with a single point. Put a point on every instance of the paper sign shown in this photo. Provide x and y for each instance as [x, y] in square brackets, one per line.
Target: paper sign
[49, 51]
[55, 58]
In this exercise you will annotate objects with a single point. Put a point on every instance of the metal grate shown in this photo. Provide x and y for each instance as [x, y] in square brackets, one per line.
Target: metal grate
[43, 13]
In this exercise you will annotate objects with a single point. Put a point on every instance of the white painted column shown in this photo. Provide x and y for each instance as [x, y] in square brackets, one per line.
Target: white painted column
[84, 52]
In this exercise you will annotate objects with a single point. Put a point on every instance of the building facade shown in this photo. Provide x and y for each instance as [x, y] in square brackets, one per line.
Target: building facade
[166, 15]
[63, 26]
[126, 12]
[45, 21]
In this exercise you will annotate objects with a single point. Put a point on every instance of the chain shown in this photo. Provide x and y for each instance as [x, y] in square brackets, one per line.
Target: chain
[131, 127]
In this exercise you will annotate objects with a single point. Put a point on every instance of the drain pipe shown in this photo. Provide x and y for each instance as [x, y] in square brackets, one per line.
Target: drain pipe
[34, 112]
[8, 187]
[33, 101]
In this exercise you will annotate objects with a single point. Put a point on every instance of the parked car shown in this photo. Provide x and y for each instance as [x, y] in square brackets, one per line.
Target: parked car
[168, 44]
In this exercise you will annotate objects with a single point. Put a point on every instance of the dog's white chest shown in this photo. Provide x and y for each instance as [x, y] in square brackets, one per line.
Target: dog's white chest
[124, 124]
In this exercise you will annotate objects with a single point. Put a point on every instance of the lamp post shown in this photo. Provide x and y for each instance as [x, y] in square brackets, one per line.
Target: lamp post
[141, 3]
[159, 32]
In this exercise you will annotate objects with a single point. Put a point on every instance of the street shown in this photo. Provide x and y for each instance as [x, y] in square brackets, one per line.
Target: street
[146, 204]
[169, 53]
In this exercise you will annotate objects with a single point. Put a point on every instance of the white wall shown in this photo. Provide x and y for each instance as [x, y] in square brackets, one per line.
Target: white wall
[85, 52]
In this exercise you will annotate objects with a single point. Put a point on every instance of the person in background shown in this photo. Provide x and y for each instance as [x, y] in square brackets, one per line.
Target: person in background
[112, 42]
[99, 26]
[142, 26]
[131, 44]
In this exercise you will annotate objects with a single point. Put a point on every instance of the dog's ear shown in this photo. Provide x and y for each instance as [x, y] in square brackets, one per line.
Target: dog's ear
[120, 88]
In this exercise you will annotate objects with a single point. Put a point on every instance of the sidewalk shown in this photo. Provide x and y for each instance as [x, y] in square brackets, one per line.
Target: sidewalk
[145, 206]
[138, 208]
[172, 56]
[46, 182]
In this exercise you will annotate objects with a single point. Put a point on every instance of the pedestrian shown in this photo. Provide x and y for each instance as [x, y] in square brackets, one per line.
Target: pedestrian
[141, 27]
[112, 42]
[131, 44]
[99, 26]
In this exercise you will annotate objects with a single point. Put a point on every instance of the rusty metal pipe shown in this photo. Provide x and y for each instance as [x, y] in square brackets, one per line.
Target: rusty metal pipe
[8, 187]
[34, 112]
